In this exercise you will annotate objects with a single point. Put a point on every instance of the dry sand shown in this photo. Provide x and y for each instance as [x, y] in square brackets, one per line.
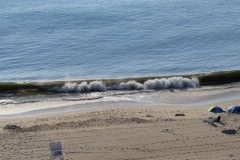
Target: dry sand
[124, 133]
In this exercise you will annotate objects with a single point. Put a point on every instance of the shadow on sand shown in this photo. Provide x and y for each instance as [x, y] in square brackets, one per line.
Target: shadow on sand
[229, 131]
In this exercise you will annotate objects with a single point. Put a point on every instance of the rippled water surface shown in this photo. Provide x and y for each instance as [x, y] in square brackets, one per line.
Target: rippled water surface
[58, 40]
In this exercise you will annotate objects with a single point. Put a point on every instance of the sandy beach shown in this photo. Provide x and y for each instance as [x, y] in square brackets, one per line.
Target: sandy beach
[125, 133]
[119, 80]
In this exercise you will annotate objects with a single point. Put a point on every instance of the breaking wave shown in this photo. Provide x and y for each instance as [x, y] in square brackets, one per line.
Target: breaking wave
[163, 83]
[83, 87]
[12, 89]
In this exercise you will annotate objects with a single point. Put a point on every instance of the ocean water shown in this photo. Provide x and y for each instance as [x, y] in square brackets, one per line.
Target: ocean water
[50, 41]
[62, 40]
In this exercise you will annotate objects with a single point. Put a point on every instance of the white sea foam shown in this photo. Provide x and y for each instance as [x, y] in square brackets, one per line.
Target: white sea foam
[163, 83]
[166, 97]
[126, 86]
[83, 87]
[6, 101]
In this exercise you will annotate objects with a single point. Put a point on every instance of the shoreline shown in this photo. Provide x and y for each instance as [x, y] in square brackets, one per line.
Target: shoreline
[191, 98]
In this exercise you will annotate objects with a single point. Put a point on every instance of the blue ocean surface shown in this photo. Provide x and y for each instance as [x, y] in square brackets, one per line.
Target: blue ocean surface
[95, 52]
[95, 39]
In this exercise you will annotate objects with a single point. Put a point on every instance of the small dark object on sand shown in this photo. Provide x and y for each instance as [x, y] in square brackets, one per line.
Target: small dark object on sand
[12, 127]
[179, 114]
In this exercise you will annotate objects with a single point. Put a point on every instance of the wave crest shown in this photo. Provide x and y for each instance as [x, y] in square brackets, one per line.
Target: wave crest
[83, 87]
[173, 82]
[131, 85]
[163, 83]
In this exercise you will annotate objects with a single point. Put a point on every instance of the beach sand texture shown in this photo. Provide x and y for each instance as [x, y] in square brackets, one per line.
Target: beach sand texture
[124, 133]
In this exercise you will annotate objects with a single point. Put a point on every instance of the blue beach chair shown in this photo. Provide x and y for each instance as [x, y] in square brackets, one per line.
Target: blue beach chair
[56, 150]
[210, 120]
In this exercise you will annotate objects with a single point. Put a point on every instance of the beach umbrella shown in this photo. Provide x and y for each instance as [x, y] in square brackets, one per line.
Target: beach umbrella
[215, 109]
[234, 109]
